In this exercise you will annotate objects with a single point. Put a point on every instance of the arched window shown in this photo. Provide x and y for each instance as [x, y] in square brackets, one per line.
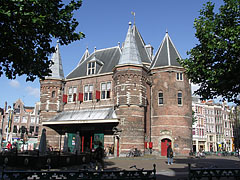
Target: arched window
[179, 98]
[160, 98]
[53, 94]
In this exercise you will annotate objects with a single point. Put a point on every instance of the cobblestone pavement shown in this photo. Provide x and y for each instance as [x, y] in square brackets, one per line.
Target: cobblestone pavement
[179, 169]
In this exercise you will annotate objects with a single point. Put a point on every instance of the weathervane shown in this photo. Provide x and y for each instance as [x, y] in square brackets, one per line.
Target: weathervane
[133, 13]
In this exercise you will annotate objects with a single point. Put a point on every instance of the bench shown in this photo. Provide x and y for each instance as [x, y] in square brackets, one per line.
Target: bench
[80, 174]
[209, 173]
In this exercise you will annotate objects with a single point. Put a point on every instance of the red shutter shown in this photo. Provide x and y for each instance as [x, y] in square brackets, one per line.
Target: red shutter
[98, 95]
[150, 145]
[74, 96]
[80, 97]
[65, 98]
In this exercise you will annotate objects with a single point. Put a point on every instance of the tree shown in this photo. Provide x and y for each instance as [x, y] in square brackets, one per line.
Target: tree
[214, 63]
[27, 29]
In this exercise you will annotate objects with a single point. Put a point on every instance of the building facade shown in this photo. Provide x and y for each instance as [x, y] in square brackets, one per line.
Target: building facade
[20, 121]
[123, 96]
[213, 129]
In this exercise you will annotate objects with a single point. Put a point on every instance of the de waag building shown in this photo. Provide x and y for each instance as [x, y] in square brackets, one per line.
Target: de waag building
[125, 97]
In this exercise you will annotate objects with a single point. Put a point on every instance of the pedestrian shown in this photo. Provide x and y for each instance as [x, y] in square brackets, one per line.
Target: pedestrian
[9, 146]
[99, 155]
[170, 155]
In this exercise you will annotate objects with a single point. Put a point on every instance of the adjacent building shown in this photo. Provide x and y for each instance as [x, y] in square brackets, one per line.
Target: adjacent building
[20, 121]
[213, 129]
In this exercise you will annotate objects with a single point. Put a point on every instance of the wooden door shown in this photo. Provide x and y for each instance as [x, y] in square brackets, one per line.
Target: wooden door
[164, 145]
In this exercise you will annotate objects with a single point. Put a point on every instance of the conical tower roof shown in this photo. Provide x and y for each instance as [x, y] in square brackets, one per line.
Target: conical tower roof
[57, 69]
[130, 53]
[167, 54]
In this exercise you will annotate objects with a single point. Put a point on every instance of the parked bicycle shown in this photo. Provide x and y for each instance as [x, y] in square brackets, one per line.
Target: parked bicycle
[134, 153]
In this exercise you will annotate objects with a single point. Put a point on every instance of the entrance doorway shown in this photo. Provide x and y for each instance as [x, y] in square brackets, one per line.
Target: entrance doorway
[164, 145]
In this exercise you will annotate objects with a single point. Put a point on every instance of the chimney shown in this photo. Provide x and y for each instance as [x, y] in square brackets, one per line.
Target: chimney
[149, 50]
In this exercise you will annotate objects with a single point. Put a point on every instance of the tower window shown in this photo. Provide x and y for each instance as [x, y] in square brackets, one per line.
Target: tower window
[88, 90]
[105, 90]
[179, 76]
[91, 68]
[160, 98]
[53, 94]
[179, 98]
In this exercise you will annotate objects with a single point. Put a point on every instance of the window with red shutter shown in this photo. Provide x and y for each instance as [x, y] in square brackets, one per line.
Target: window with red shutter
[80, 97]
[98, 95]
[65, 98]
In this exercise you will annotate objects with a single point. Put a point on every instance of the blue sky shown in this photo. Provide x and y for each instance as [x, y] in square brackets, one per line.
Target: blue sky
[105, 23]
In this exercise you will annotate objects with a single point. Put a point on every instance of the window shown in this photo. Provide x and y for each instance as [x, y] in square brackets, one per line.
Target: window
[37, 120]
[72, 93]
[88, 90]
[16, 119]
[31, 129]
[105, 90]
[37, 129]
[32, 119]
[53, 94]
[24, 119]
[14, 129]
[91, 68]
[179, 76]
[179, 98]
[160, 98]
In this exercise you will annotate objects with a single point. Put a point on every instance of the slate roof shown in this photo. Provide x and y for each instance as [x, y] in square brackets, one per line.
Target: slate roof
[166, 55]
[85, 56]
[108, 57]
[130, 53]
[57, 69]
[145, 58]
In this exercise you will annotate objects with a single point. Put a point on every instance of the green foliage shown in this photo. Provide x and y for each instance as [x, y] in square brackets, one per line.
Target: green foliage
[214, 63]
[193, 117]
[27, 29]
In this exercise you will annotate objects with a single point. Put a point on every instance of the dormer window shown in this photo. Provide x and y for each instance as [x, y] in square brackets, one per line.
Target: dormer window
[91, 68]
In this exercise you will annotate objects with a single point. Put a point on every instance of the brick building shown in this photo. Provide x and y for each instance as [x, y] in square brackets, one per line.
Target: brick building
[123, 96]
[20, 121]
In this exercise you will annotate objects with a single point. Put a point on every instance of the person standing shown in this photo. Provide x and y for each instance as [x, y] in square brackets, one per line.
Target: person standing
[99, 155]
[170, 155]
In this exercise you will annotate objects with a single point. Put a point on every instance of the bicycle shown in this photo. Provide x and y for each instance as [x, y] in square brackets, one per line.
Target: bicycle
[134, 152]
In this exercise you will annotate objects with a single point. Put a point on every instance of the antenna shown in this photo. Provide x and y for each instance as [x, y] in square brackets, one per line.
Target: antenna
[133, 13]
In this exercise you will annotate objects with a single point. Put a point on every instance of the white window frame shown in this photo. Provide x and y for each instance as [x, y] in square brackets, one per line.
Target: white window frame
[33, 119]
[24, 119]
[179, 98]
[91, 67]
[106, 91]
[88, 92]
[71, 91]
[179, 76]
[162, 99]
[16, 119]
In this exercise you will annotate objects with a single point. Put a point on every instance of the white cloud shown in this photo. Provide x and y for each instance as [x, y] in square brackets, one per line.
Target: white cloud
[33, 91]
[194, 87]
[14, 83]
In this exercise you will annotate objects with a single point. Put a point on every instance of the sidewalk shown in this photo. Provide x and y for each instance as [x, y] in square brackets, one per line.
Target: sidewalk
[179, 169]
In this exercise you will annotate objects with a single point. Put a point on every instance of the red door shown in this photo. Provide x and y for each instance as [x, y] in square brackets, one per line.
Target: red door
[164, 145]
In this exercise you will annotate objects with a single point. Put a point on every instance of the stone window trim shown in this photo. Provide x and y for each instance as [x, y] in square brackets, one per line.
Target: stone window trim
[106, 88]
[91, 67]
[72, 94]
[53, 94]
[160, 98]
[179, 76]
[88, 92]
[179, 98]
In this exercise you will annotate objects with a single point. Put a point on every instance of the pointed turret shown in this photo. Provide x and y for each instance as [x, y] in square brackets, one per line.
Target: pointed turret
[167, 54]
[130, 53]
[84, 57]
[57, 69]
